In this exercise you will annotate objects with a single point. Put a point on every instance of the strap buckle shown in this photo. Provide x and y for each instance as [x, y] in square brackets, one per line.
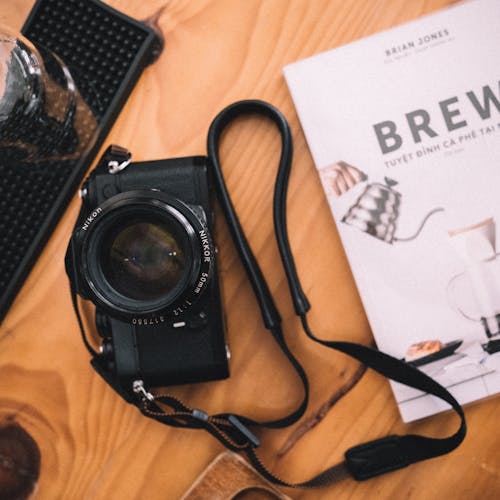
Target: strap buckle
[244, 431]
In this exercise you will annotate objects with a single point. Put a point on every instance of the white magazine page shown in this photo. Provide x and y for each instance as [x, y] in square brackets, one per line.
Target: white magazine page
[404, 128]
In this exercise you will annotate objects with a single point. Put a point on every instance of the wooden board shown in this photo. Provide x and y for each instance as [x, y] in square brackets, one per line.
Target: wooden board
[95, 446]
[228, 477]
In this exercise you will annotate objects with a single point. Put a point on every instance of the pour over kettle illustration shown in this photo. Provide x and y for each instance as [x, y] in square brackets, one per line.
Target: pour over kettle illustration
[377, 210]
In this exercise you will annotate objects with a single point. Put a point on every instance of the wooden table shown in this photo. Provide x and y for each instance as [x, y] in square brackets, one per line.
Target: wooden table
[95, 446]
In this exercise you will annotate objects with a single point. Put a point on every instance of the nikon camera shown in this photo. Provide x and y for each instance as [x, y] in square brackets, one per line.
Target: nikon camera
[142, 252]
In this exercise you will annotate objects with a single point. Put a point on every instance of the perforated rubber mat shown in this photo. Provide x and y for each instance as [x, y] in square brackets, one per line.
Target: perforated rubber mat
[105, 52]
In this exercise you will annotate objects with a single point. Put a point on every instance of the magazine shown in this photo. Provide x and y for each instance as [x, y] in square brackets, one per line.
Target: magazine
[404, 129]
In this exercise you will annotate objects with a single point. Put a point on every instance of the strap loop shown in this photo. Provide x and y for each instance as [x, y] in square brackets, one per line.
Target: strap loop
[376, 457]
[200, 415]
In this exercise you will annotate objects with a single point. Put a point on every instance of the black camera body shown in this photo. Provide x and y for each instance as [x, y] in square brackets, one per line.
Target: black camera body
[142, 252]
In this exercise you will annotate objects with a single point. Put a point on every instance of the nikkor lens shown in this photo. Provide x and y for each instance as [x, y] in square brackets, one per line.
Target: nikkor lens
[144, 253]
[144, 260]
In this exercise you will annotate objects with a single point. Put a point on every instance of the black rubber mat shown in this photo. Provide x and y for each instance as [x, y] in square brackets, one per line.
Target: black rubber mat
[105, 52]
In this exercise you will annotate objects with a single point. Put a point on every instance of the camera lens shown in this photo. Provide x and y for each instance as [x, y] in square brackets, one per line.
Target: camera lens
[143, 253]
[144, 260]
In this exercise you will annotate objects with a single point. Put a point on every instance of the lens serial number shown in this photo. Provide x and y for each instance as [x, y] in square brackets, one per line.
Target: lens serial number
[148, 321]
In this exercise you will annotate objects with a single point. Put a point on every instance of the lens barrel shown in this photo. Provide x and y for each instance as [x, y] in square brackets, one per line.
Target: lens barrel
[144, 253]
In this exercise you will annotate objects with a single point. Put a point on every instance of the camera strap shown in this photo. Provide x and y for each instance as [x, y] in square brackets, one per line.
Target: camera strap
[233, 431]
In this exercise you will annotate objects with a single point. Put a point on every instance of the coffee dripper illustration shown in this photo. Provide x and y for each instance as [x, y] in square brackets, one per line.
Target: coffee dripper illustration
[377, 210]
[475, 293]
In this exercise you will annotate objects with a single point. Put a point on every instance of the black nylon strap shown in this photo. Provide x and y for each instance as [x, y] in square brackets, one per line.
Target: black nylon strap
[362, 461]
[365, 460]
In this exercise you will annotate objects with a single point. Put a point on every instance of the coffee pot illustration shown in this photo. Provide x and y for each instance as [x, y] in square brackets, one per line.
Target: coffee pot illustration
[475, 293]
[376, 212]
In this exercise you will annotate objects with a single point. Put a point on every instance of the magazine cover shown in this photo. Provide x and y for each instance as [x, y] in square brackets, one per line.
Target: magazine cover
[404, 129]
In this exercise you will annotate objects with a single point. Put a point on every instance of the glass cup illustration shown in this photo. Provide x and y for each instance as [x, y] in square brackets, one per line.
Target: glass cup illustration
[475, 293]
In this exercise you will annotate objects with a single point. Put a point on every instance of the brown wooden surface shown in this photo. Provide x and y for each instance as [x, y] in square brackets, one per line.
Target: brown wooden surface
[95, 446]
[230, 476]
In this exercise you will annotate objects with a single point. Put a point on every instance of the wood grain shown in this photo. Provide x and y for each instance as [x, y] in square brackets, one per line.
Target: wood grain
[95, 446]
[229, 477]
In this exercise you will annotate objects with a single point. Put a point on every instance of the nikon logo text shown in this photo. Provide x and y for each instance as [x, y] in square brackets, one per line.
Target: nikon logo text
[206, 246]
[90, 218]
